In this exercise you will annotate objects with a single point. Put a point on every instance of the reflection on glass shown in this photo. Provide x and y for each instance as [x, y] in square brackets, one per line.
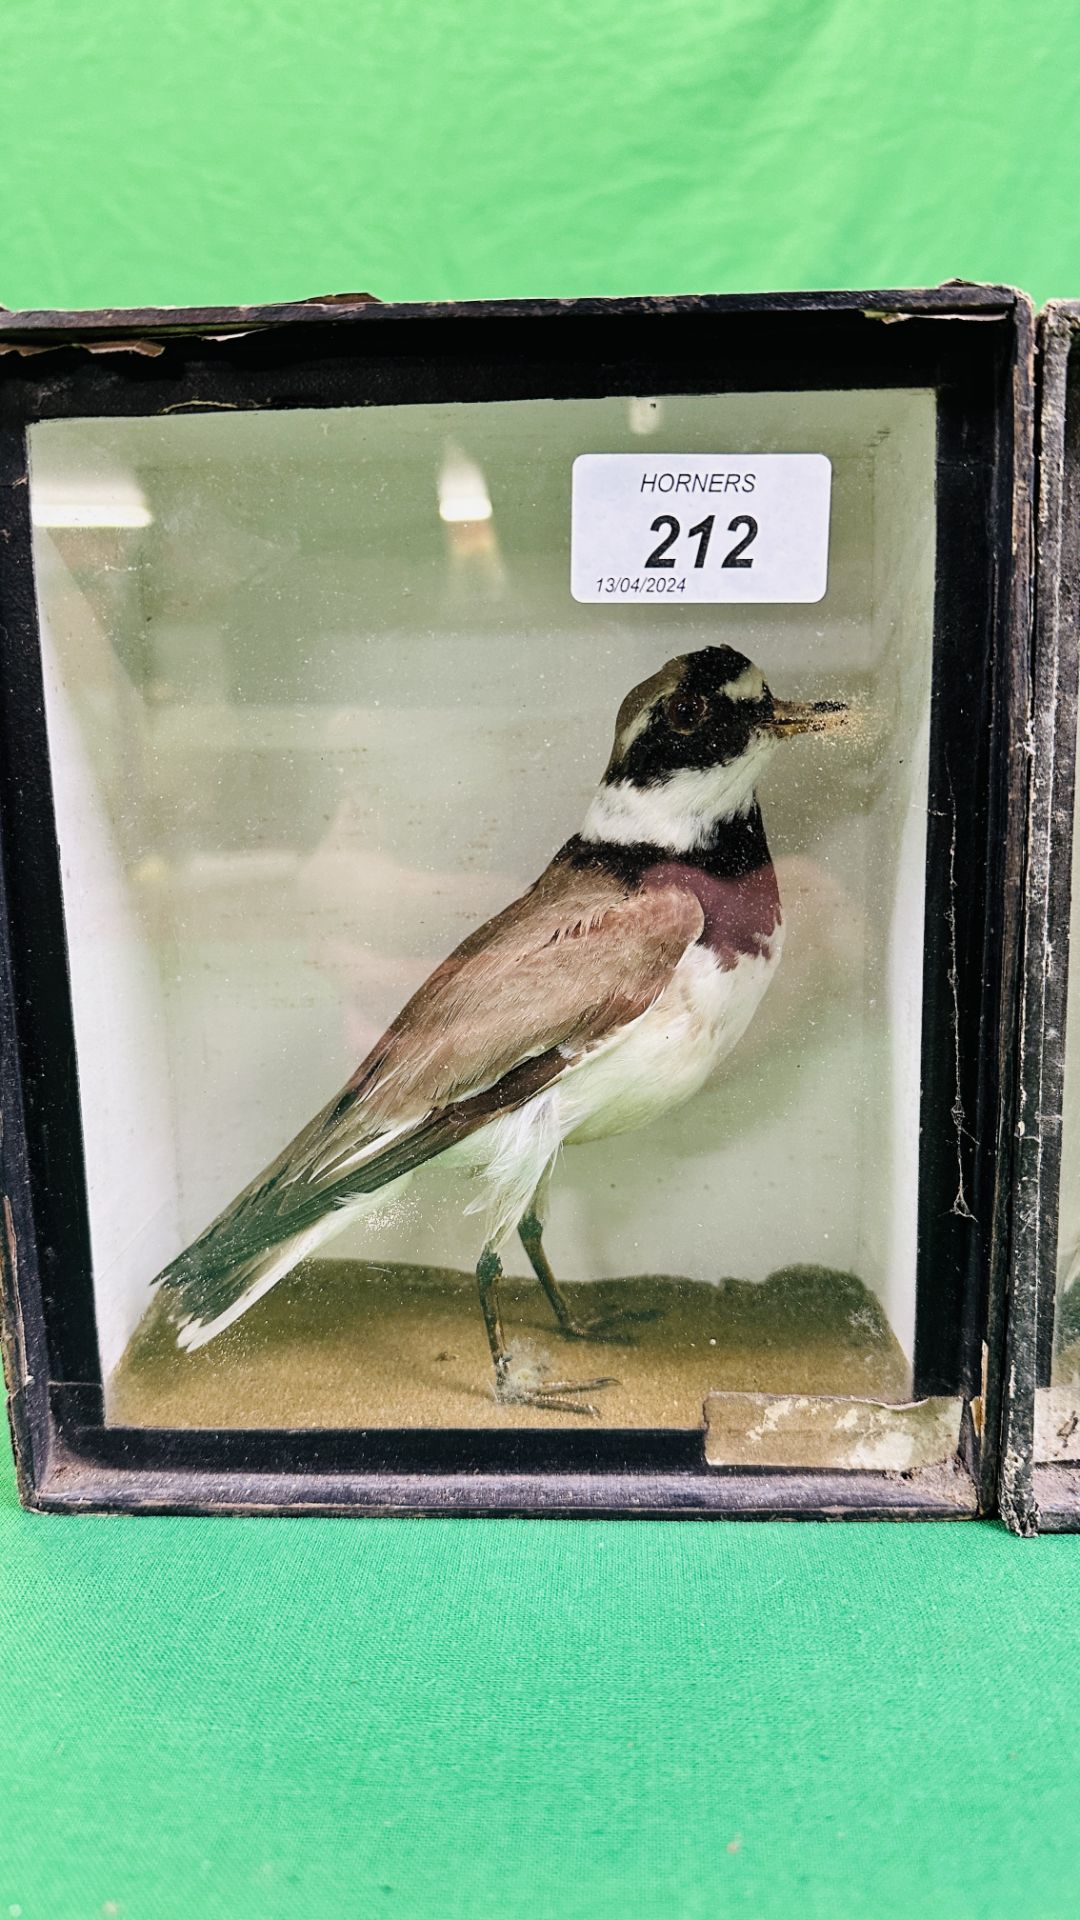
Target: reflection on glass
[311, 725]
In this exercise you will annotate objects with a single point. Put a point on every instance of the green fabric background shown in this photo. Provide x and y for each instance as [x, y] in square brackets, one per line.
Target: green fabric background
[254, 1719]
[185, 150]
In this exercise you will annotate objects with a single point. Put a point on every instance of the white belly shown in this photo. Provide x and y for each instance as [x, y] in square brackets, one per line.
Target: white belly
[667, 1054]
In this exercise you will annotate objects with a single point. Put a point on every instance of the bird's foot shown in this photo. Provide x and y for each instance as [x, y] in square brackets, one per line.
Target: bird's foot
[611, 1327]
[551, 1395]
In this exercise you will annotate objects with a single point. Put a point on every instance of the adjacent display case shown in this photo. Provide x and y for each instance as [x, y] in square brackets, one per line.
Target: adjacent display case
[1041, 1454]
[513, 823]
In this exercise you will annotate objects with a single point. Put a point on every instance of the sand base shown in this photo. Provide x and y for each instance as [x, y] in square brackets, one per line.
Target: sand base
[351, 1344]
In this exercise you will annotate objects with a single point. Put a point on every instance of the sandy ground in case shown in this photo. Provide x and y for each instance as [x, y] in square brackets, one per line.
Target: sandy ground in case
[351, 1344]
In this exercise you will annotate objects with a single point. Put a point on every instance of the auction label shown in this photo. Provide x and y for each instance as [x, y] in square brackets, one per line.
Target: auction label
[704, 527]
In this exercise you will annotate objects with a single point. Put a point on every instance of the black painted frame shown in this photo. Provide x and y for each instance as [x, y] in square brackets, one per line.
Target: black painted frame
[974, 346]
[1038, 1496]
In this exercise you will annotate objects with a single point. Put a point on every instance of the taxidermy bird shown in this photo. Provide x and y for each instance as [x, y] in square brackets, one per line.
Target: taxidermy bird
[599, 1000]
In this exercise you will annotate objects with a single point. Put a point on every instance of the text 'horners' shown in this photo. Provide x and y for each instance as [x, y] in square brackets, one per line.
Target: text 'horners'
[667, 482]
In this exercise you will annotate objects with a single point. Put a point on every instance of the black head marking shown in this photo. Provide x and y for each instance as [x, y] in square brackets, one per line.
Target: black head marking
[701, 710]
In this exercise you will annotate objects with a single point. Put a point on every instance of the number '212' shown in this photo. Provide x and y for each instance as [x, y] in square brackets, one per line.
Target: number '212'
[702, 533]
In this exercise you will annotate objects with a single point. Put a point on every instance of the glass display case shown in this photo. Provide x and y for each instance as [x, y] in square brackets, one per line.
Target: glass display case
[510, 821]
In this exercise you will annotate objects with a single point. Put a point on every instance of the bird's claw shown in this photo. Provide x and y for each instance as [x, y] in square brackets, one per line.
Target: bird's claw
[548, 1394]
[608, 1329]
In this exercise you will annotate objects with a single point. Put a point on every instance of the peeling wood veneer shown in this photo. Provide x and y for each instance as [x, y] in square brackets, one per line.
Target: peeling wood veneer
[1029, 1501]
[150, 348]
[831, 1431]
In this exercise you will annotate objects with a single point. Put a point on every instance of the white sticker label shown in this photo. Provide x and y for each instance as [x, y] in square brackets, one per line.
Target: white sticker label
[694, 527]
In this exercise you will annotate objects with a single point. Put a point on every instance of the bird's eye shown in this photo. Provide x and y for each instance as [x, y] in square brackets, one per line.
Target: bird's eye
[685, 712]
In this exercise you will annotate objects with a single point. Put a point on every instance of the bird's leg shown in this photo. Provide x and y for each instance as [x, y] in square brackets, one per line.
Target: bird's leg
[531, 1235]
[608, 1325]
[547, 1393]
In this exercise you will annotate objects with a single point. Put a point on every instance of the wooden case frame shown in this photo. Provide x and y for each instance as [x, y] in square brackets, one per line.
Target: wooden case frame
[974, 345]
[1042, 1496]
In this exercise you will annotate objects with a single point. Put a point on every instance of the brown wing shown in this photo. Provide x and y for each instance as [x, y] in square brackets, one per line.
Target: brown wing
[573, 959]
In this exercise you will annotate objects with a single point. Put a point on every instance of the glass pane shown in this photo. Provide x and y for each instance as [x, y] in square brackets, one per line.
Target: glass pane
[320, 703]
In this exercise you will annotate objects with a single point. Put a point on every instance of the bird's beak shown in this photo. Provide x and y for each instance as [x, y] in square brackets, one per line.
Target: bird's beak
[806, 716]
